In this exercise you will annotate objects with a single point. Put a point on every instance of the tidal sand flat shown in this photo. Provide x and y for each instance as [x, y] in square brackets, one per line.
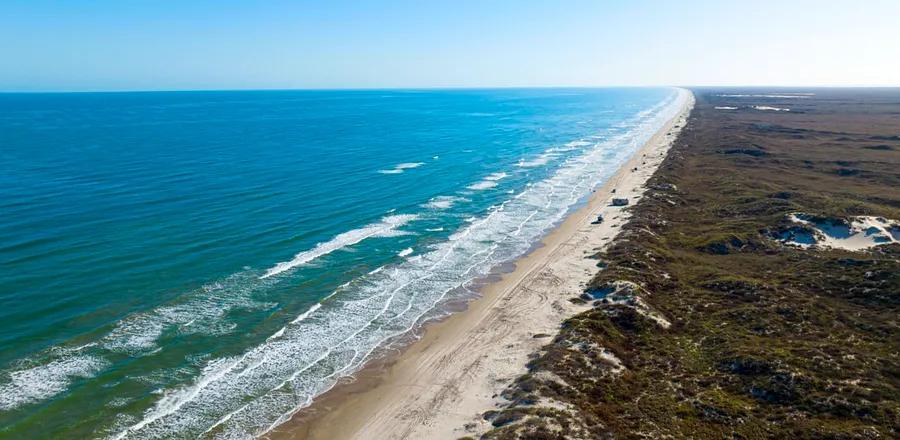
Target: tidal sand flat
[205, 264]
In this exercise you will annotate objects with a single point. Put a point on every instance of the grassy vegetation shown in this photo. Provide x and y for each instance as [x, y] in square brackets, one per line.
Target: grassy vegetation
[767, 340]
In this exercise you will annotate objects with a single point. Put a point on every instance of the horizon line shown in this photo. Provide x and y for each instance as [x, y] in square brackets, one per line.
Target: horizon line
[349, 89]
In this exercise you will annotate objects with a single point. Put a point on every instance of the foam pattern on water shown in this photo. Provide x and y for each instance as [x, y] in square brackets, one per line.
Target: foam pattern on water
[246, 395]
[33, 384]
[50, 373]
[387, 227]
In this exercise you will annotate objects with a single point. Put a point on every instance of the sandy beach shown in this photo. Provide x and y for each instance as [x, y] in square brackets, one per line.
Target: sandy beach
[439, 386]
[519, 220]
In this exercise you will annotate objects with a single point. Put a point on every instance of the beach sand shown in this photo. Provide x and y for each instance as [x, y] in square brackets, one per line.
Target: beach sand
[438, 387]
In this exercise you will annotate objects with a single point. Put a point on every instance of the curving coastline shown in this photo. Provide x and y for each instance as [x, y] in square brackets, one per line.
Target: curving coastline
[439, 385]
[253, 328]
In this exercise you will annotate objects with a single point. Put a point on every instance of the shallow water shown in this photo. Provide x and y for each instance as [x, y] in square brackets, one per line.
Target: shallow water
[205, 263]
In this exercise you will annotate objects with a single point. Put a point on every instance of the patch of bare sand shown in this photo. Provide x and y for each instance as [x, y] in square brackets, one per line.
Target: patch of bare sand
[853, 234]
[440, 385]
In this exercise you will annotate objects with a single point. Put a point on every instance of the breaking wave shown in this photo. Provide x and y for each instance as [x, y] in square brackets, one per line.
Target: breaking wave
[247, 395]
[387, 227]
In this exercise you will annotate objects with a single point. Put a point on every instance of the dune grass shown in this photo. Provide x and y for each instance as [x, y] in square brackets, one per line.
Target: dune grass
[767, 340]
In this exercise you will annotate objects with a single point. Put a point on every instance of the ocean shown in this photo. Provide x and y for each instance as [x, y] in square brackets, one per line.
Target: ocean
[203, 264]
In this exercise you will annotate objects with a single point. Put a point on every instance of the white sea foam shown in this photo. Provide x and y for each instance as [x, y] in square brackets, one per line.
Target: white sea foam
[483, 185]
[569, 146]
[401, 167]
[247, 395]
[405, 252]
[488, 182]
[306, 314]
[444, 202]
[42, 381]
[277, 334]
[540, 160]
[202, 312]
[387, 227]
[543, 158]
[725, 108]
[766, 107]
[243, 396]
[51, 371]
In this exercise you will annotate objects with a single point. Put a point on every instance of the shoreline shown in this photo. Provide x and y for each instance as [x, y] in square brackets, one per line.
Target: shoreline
[440, 384]
[709, 321]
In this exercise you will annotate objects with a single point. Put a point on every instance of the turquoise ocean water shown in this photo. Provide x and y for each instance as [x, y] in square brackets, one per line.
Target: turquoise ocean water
[202, 264]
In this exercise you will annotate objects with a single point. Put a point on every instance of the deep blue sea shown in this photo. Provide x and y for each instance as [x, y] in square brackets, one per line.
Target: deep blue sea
[202, 264]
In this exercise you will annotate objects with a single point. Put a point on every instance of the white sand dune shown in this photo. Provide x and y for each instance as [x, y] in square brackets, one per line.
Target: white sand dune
[856, 234]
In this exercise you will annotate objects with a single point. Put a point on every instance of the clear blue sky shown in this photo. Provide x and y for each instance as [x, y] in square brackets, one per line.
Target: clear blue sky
[228, 44]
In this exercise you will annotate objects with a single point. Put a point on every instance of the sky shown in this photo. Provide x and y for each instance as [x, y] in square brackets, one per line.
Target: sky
[93, 45]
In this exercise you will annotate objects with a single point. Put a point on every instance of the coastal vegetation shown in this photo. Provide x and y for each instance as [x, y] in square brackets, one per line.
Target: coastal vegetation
[706, 323]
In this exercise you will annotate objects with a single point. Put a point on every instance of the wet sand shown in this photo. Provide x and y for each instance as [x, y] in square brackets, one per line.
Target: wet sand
[439, 386]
